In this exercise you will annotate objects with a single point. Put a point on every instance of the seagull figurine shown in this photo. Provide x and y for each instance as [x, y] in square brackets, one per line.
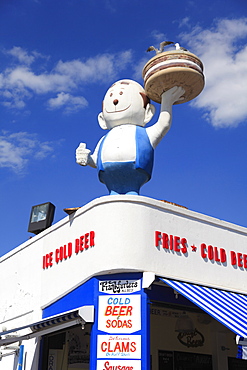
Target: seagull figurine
[162, 45]
[178, 47]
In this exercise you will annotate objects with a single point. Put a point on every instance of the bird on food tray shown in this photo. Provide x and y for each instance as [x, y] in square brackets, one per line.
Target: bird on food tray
[178, 47]
[162, 45]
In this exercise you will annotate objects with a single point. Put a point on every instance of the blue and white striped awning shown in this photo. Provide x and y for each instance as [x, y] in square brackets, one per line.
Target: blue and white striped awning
[53, 321]
[228, 308]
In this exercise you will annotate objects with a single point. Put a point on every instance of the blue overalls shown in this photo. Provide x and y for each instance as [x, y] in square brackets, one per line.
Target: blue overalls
[128, 177]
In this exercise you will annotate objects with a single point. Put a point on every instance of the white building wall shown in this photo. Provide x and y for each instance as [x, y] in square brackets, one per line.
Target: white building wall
[124, 230]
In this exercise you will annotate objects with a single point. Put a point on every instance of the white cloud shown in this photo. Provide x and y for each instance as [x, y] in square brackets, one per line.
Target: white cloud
[70, 103]
[21, 82]
[17, 149]
[100, 68]
[184, 22]
[22, 78]
[223, 51]
[22, 56]
[123, 60]
[158, 36]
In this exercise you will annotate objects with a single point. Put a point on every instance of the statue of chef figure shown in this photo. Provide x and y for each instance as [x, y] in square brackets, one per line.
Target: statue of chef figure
[124, 156]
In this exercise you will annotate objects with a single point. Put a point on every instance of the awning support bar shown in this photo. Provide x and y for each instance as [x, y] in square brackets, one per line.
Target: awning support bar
[65, 325]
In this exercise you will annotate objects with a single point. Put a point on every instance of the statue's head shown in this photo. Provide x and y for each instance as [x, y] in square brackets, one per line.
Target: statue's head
[125, 103]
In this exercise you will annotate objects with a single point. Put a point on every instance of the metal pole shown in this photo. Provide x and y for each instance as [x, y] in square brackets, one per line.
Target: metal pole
[20, 360]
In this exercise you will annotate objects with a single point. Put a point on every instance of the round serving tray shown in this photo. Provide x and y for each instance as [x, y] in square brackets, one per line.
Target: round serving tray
[173, 68]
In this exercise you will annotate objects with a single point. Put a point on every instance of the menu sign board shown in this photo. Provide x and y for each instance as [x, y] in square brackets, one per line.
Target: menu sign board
[119, 313]
[169, 360]
[119, 364]
[117, 346]
[189, 361]
[119, 286]
[165, 360]
[119, 325]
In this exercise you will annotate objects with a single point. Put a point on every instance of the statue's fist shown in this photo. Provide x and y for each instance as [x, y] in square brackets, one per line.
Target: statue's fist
[82, 154]
[173, 95]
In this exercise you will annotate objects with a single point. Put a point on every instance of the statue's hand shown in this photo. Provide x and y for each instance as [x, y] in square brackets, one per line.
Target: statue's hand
[82, 154]
[173, 95]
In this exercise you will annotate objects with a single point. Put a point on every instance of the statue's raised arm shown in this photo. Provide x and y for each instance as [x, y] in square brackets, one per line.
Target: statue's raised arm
[157, 131]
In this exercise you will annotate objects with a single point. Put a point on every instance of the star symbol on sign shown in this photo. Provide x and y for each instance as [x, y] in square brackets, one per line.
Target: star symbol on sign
[193, 248]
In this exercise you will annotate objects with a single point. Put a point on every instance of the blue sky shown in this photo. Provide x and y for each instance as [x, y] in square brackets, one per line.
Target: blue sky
[57, 60]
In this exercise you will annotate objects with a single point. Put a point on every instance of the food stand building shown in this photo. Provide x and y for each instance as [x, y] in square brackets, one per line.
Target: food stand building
[126, 283]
